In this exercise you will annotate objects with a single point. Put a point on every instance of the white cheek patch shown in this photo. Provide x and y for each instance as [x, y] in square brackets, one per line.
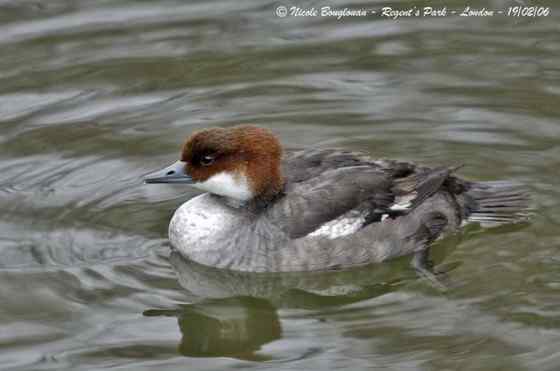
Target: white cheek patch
[227, 184]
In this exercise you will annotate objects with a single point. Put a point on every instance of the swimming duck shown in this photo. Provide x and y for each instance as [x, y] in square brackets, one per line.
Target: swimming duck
[269, 210]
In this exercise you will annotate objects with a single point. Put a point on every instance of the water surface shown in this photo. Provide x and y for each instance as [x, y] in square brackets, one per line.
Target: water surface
[93, 95]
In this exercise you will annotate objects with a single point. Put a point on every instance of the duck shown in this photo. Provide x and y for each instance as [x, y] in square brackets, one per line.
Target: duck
[266, 209]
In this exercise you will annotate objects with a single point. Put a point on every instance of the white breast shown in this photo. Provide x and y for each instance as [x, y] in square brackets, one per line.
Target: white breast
[201, 228]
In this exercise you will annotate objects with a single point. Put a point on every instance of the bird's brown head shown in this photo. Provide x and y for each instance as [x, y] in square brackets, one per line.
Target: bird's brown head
[240, 162]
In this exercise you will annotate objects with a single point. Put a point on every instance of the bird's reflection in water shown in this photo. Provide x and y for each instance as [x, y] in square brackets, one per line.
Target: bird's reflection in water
[231, 327]
[234, 314]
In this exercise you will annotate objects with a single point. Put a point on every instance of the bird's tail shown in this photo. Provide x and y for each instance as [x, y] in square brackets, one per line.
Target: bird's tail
[496, 203]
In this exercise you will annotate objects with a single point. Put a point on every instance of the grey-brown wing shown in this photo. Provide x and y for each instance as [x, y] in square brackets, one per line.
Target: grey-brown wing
[349, 190]
[302, 165]
[310, 204]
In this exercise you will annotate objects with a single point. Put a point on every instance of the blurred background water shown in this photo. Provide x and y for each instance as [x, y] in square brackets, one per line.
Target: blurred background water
[95, 94]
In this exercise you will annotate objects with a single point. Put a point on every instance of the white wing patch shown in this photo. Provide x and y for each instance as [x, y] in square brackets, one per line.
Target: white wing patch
[403, 202]
[353, 220]
[344, 225]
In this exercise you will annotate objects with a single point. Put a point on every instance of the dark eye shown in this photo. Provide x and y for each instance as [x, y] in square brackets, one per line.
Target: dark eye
[207, 160]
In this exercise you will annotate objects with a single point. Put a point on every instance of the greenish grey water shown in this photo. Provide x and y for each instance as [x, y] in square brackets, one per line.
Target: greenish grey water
[93, 95]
